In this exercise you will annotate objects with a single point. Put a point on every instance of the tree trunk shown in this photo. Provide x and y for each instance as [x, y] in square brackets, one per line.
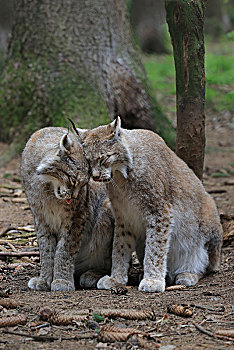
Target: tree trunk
[74, 59]
[185, 20]
[217, 19]
[5, 24]
[148, 17]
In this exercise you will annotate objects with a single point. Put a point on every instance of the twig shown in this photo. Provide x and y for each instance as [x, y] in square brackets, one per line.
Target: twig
[27, 253]
[4, 232]
[176, 287]
[4, 241]
[35, 337]
[23, 236]
[205, 331]
[49, 338]
[205, 307]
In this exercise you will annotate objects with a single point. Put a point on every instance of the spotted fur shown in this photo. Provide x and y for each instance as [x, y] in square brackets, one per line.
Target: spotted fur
[72, 216]
[161, 208]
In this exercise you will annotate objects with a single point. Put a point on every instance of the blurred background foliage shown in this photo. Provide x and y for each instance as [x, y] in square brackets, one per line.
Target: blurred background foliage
[158, 61]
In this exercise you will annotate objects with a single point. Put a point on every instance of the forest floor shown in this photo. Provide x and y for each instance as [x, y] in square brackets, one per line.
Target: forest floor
[152, 325]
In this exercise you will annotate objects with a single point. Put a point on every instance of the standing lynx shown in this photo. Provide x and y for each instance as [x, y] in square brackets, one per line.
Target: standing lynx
[161, 208]
[73, 219]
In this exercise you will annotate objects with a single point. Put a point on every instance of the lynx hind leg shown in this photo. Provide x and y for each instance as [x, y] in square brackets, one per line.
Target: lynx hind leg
[188, 279]
[214, 250]
[212, 228]
[89, 279]
[38, 283]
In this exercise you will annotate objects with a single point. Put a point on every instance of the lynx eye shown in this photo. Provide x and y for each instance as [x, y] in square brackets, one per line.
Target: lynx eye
[103, 159]
[74, 182]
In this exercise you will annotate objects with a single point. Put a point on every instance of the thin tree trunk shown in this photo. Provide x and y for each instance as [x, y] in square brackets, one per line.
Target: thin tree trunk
[148, 17]
[75, 59]
[185, 20]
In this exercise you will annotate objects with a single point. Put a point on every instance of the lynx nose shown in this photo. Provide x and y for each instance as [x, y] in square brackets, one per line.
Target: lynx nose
[96, 175]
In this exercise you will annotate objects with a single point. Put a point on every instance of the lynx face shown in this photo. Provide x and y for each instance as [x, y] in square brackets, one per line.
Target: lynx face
[65, 171]
[105, 152]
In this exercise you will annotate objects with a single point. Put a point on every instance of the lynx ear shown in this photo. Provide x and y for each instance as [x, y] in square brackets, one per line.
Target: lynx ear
[79, 132]
[65, 144]
[115, 126]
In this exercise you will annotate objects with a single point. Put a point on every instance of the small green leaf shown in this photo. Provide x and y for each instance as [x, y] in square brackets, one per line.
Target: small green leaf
[97, 317]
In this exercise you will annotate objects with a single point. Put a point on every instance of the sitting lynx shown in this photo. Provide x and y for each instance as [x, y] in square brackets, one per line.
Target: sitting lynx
[73, 219]
[161, 208]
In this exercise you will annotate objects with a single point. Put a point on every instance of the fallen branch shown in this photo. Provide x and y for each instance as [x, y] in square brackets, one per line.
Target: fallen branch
[211, 334]
[49, 338]
[34, 337]
[4, 232]
[20, 254]
[29, 228]
[3, 241]
[176, 287]
[9, 321]
[206, 308]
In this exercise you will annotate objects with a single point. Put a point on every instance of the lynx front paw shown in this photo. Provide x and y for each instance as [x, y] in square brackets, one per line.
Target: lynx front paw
[151, 285]
[187, 278]
[89, 279]
[107, 282]
[38, 283]
[61, 285]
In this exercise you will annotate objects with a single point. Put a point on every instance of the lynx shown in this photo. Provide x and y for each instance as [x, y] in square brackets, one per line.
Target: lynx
[161, 208]
[73, 218]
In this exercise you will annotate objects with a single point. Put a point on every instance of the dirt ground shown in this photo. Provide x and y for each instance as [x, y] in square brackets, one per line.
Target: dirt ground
[140, 320]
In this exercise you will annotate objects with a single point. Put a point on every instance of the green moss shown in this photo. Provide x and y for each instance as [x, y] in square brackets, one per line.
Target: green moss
[32, 95]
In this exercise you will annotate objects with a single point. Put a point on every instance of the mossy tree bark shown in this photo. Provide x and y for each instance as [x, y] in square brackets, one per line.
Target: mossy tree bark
[185, 19]
[74, 58]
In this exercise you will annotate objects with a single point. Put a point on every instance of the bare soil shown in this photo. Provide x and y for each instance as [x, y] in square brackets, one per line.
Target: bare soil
[210, 300]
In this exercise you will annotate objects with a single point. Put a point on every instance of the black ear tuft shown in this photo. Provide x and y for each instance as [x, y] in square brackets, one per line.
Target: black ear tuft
[73, 125]
[79, 132]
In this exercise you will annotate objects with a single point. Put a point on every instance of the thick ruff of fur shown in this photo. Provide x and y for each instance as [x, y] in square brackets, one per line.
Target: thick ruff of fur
[161, 208]
[73, 219]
